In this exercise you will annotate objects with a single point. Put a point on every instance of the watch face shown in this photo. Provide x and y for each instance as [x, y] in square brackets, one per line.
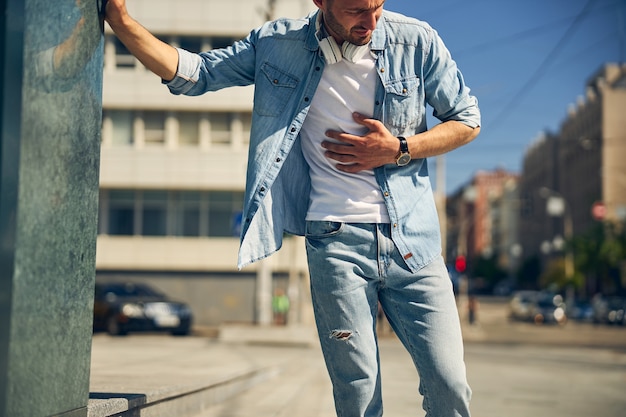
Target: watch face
[403, 159]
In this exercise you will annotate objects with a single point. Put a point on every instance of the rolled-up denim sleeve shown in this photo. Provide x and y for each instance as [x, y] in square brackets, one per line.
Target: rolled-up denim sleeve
[187, 74]
[445, 87]
[216, 69]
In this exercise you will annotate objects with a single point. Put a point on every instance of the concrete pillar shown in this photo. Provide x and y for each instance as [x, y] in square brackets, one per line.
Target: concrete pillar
[264, 277]
[50, 116]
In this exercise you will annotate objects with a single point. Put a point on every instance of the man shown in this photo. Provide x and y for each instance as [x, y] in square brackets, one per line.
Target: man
[337, 153]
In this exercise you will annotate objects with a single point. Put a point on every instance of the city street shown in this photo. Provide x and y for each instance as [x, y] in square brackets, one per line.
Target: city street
[508, 380]
[515, 369]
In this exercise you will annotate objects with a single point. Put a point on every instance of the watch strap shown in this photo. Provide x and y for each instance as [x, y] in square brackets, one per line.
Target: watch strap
[404, 146]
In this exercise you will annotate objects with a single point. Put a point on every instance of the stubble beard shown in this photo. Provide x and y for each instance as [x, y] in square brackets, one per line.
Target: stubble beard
[337, 29]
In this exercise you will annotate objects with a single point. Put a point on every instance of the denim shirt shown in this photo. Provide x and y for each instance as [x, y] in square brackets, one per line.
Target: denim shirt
[282, 59]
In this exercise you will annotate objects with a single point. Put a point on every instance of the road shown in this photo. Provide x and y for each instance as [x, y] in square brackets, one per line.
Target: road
[507, 380]
[515, 370]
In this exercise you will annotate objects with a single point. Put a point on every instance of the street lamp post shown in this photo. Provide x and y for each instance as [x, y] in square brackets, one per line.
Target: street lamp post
[569, 253]
[557, 206]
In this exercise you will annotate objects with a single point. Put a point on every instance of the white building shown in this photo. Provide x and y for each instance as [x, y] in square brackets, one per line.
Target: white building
[173, 171]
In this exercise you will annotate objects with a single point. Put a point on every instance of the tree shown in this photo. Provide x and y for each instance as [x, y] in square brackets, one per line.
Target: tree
[528, 274]
[600, 255]
[487, 271]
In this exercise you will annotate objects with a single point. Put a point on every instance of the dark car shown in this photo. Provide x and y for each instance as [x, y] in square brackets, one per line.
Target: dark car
[520, 305]
[609, 310]
[548, 308]
[582, 311]
[120, 308]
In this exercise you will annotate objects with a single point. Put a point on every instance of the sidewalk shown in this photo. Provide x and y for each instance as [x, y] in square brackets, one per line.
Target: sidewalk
[181, 376]
[164, 376]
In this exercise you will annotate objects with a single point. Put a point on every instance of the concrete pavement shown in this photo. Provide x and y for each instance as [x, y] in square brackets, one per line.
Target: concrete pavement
[161, 375]
[515, 369]
[507, 381]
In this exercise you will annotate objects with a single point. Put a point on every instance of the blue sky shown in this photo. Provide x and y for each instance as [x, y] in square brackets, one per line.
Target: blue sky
[526, 61]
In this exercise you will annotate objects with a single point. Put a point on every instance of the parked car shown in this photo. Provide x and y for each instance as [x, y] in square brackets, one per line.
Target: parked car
[120, 308]
[520, 304]
[609, 310]
[581, 311]
[548, 308]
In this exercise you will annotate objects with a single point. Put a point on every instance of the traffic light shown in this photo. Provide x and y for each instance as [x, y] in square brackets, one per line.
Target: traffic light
[460, 264]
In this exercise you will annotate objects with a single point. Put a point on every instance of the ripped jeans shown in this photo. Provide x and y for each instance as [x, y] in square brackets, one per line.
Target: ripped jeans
[353, 267]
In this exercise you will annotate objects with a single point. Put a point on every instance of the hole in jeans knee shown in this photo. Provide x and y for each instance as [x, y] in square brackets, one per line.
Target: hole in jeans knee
[341, 334]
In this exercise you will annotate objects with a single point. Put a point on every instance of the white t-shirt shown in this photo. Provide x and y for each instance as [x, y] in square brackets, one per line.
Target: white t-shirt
[345, 88]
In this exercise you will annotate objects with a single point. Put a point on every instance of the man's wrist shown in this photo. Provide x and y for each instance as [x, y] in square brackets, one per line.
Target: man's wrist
[404, 156]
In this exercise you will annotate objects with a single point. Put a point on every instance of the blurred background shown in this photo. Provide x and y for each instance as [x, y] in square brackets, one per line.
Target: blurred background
[532, 211]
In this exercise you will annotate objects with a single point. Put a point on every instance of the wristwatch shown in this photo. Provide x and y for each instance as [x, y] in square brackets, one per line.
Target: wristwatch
[404, 157]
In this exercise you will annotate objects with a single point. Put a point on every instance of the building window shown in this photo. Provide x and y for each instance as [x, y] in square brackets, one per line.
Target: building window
[164, 213]
[222, 213]
[220, 128]
[192, 127]
[121, 216]
[187, 213]
[246, 121]
[189, 132]
[154, 127]
[122, 121]
[190, 43]
[154, 213]
[221, 42]
[123, 57]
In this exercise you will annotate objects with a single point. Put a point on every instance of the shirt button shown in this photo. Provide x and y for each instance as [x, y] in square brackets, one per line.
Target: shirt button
[404, 90]
[277, 159]
[275, 81]
[306, 99]
[386, 193]
[293, 129]
[262, 189]
[382, 70]
[395, 225]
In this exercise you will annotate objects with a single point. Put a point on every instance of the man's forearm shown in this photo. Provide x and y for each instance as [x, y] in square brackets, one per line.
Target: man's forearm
[442, 138]
[156, 55]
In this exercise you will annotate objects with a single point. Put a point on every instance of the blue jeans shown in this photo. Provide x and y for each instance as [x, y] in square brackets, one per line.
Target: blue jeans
[355, 266]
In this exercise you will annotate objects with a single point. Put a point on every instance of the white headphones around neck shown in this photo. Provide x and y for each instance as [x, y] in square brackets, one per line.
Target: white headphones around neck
[332, 52]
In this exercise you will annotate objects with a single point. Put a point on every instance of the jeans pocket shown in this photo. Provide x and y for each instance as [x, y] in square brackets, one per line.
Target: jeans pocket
[321, 229]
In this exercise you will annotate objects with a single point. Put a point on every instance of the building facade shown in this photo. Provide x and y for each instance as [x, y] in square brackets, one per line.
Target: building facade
[482, 220]
[173, 171]
[540, 171]
[581, 165]
[593, 148]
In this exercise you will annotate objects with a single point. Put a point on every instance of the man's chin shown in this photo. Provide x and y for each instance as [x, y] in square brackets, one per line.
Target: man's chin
[360, 41]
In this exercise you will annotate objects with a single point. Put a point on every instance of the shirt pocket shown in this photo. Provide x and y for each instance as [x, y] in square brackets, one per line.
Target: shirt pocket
[404, 103]
[273, 90]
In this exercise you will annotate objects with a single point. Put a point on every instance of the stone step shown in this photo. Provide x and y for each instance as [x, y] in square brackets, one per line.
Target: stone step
[179, 401]
[163, 376]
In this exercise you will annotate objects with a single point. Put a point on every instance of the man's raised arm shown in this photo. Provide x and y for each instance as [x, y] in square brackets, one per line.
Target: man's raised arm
[156, 55]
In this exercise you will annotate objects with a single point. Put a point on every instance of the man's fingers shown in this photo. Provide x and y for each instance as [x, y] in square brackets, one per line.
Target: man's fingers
[346, 138]
[341, 148]
[371, 124]
[340, 157]
[349, 168]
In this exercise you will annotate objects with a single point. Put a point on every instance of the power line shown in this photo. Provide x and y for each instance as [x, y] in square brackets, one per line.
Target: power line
[622, 33]
[517, 98]
[505, 41]
[444, 9]
[602, 42]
